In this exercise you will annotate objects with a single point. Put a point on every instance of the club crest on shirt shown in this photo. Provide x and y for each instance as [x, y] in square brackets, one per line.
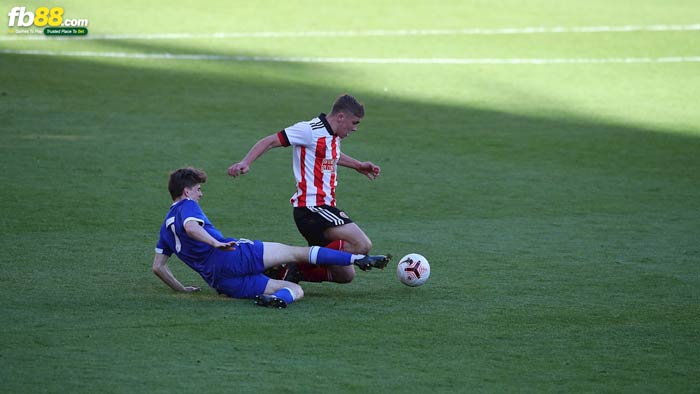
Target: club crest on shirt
[328, 165]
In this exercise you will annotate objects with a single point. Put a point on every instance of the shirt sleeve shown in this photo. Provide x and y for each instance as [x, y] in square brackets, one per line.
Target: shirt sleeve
[162, 248]
[282, 136]
[161, 245]
[298, 134]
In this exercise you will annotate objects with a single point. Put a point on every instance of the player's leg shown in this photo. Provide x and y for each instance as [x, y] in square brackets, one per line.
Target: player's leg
[276, 253]
[274, 285]
[279, 294]
[240, 275]
[330, 227]
[355, 240]
[265, 291]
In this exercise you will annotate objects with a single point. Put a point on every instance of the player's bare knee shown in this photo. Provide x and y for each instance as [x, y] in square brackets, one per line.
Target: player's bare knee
[343, 276]
[367, 246]
[297, 291]
[358, 246]
[363, 246]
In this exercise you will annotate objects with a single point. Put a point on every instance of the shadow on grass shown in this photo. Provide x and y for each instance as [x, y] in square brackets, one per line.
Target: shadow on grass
[152, 115]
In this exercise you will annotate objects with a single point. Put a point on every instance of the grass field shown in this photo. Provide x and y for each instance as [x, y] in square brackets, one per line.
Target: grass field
[558, 203]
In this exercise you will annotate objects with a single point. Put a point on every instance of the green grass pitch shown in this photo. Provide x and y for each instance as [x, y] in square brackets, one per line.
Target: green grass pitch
[558, 204]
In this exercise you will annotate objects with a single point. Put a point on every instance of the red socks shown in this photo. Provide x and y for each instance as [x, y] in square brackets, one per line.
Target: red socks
[337, 244]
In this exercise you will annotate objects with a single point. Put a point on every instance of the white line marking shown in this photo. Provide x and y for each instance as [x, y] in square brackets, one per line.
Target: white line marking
[297, 59]
[369, 33]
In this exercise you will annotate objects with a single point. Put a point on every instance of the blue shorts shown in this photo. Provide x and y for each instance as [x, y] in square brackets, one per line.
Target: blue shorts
[239, 274]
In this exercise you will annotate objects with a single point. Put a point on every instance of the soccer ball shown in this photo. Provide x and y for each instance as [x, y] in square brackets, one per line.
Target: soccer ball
[413, 270]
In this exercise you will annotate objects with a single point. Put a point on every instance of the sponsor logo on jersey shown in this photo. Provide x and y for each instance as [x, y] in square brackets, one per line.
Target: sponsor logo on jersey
[328, 165]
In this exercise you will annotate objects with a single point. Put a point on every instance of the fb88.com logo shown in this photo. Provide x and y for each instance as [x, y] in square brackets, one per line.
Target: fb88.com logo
[43, 16]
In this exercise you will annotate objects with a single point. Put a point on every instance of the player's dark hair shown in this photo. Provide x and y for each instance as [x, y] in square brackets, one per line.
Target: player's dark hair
[348, 104]
[184, 177]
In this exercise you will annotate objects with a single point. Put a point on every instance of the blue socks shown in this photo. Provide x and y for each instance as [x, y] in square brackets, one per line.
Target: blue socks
[325, 256]
[286, 294]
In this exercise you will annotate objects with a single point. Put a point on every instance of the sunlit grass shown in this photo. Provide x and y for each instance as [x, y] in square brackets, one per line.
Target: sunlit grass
[557, 204]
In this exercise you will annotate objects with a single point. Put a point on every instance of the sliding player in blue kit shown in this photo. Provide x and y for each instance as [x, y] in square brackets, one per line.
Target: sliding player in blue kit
[233, 267]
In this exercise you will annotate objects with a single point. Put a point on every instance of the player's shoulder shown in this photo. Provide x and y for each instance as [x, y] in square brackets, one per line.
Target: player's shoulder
[317, 124]
[304, 125]
[187, 206]
[182, 203]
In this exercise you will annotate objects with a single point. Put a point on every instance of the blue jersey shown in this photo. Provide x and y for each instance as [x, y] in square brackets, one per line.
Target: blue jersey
[237, 273]
[174, 238]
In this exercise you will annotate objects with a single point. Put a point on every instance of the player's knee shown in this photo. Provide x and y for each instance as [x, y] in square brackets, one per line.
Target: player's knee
[363, 246]
[368, 246]
[344, 276]
[358, 246]
[297, 291]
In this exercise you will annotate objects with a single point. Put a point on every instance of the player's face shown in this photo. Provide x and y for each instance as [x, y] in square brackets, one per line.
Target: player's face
[347, 124]
[194, 192]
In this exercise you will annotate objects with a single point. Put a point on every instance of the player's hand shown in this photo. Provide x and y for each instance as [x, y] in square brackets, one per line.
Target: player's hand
[238, 169]
[226, 246]
[191, 289]
[369, 169]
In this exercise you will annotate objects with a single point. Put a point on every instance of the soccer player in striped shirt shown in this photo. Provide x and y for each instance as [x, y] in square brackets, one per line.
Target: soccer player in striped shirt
[233, 267]
[316, 157]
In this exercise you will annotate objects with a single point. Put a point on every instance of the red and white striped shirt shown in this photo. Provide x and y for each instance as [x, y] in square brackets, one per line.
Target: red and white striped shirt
[315, 161]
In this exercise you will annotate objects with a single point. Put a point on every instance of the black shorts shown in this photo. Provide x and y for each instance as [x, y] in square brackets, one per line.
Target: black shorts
[313, 221]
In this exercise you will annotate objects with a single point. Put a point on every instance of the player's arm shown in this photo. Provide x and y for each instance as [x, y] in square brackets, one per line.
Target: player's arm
[197, 232]
[162, 271]
[367, 168]
[260, 147]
